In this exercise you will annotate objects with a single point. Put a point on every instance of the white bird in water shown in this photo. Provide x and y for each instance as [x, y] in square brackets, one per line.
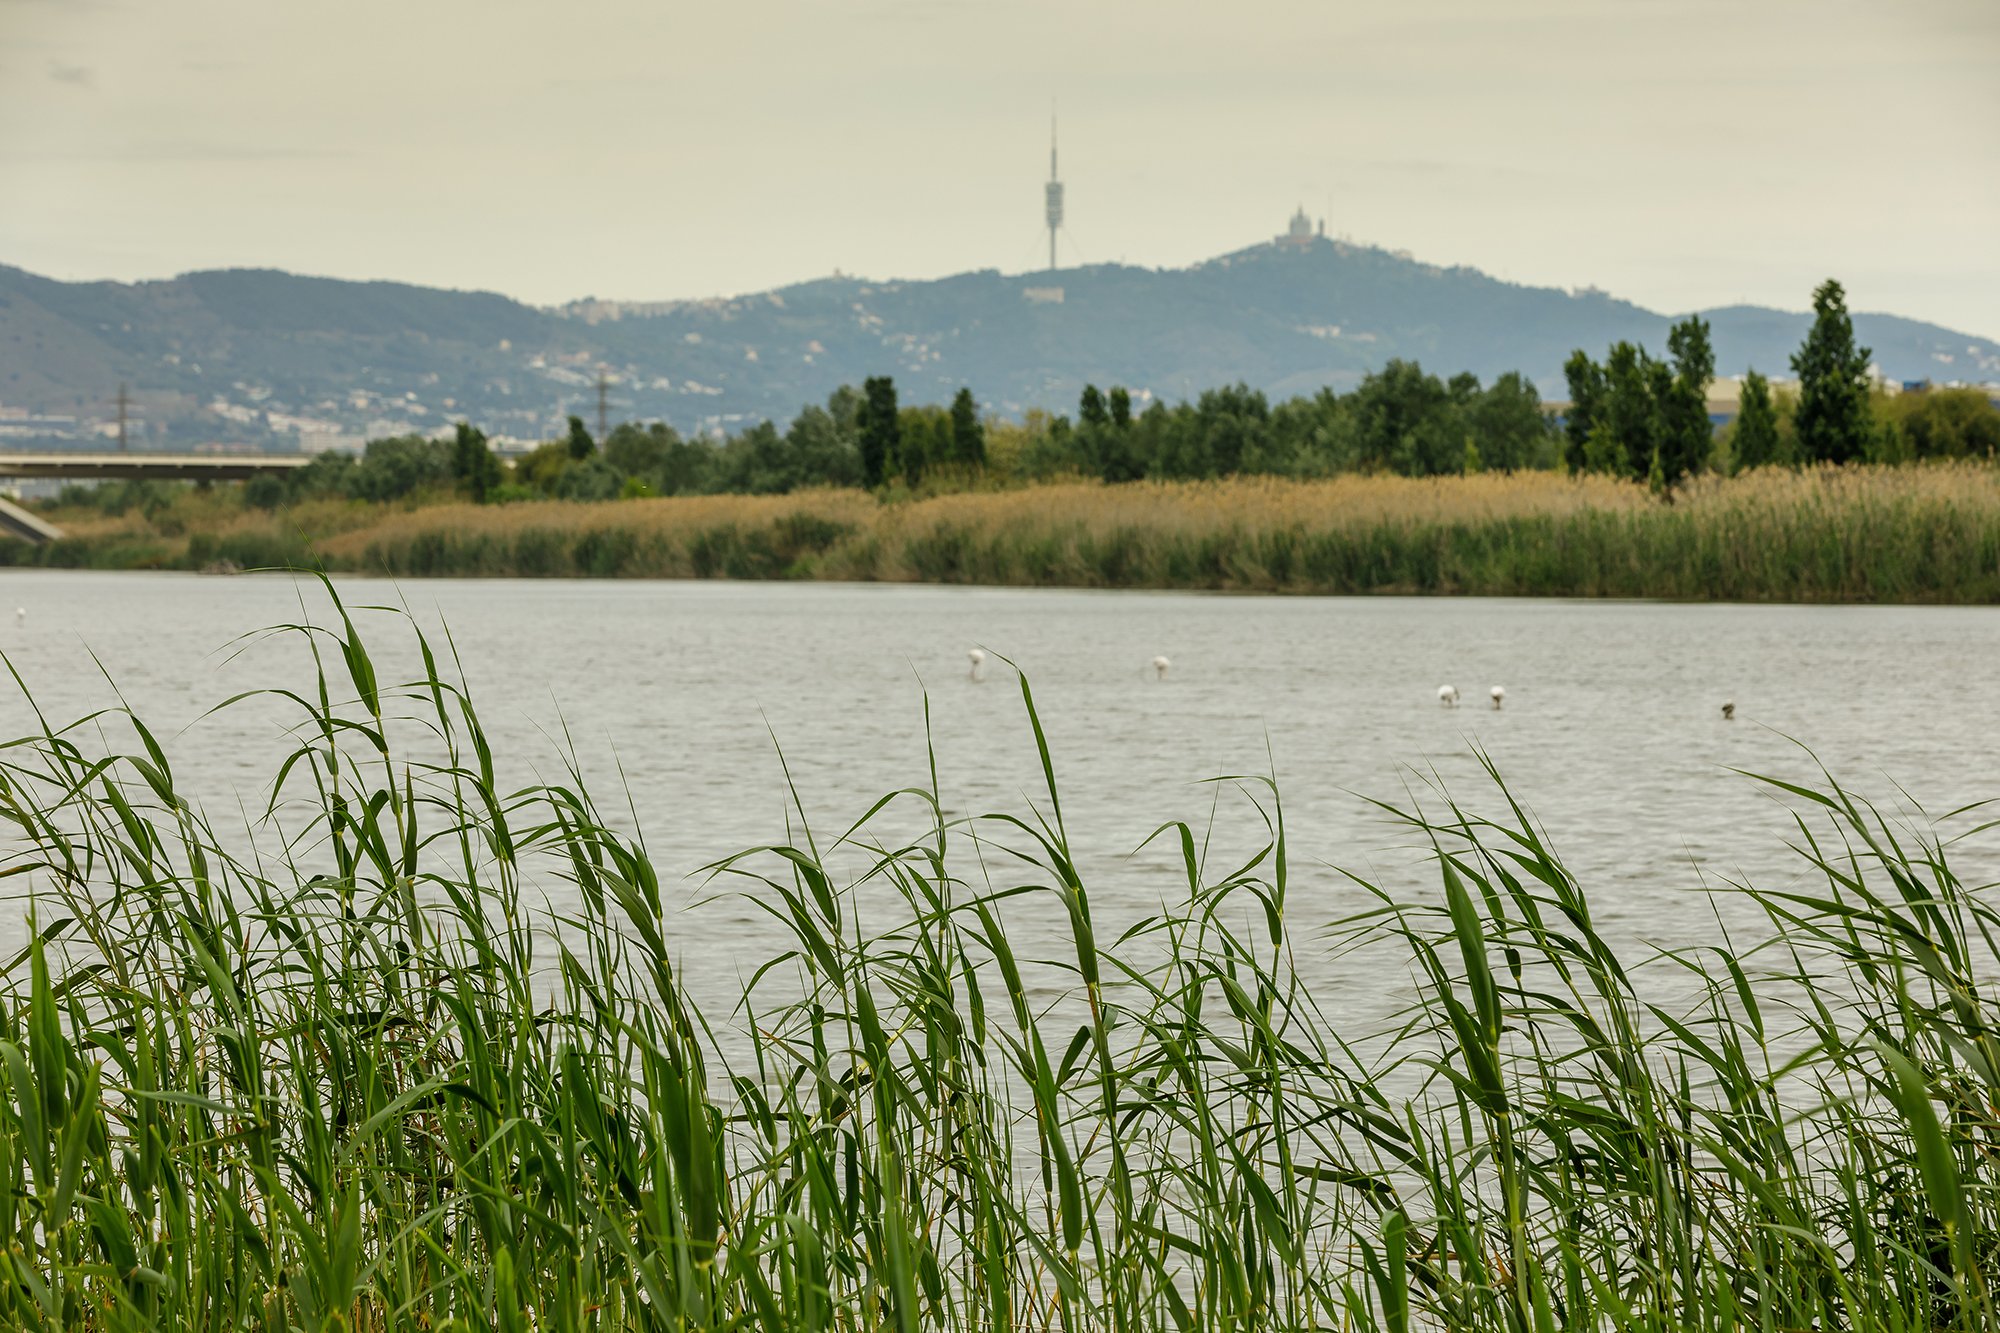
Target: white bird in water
[978, 659]
[1497, 693]
[1160, 665]
[1448, 696]
[1728, 710]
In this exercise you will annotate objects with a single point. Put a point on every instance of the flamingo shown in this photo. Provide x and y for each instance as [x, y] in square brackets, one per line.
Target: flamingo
[978, 659]
[1160, 665]
[1448, 696]
[1497, 693]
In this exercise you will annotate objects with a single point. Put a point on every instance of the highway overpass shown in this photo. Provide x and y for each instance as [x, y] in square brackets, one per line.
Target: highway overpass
[147, 466]
[66, 466]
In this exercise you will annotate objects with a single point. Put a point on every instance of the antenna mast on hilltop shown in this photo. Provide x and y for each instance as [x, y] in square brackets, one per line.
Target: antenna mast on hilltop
[1053, 199]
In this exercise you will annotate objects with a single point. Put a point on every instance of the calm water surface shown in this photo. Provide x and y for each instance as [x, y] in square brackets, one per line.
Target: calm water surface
[1612, 731]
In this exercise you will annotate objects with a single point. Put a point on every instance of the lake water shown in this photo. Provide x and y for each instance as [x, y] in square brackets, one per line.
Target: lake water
[1612, 731]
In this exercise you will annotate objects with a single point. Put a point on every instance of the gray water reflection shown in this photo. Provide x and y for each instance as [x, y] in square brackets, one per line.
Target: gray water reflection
[1611, 733]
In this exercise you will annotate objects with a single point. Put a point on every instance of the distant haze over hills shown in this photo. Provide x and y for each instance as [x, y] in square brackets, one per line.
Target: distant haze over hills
[259, 356]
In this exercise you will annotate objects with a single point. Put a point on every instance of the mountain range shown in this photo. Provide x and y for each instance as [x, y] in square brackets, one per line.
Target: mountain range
[259, 356]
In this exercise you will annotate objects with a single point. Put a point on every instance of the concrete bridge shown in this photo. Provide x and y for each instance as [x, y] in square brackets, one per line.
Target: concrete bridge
[18, 522]
[67, 466]
[150, 466]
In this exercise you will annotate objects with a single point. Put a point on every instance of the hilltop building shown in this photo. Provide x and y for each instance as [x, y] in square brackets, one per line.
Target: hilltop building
[1301, 234]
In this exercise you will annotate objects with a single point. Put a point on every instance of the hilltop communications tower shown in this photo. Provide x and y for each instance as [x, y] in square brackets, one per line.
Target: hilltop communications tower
[1053, 196]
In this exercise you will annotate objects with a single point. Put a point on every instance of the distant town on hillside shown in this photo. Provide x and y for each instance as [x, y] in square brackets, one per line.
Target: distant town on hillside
[260, 359]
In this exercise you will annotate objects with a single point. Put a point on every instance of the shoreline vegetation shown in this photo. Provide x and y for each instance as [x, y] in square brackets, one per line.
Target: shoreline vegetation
[357, 1075]
[1861, 533]
[1409, 483]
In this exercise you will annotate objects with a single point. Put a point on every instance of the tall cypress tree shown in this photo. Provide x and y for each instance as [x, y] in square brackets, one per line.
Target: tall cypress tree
[1091, 411]
[581, 446]
[923, 437]
[968, 433]
[473, 465]
[1121, 406]
[1755, 441]
[1630, 411]
[880, 428]
[1688, 437]
[1586, 405]
[1832, 421]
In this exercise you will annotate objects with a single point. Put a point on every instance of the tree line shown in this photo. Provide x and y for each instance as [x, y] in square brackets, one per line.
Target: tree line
[1645, 418]
[1400, 419]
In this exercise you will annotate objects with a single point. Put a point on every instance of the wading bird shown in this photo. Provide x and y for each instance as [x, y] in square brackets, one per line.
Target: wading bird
[978, 659]
[1160, 665]
[1497, 693]
[1728, 710]
[1448, 696]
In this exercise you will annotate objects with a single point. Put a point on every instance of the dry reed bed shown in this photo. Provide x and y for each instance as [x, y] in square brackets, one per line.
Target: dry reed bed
[1929, 533]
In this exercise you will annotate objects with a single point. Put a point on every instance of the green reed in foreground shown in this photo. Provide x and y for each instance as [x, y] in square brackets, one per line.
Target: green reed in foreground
[357, 1079]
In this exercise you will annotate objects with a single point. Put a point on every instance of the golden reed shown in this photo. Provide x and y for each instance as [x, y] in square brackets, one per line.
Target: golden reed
[1912, 533]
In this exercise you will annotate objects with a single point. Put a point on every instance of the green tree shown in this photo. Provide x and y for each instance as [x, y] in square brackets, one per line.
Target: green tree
[880, 430]
[923, 439]
[393, 468]
[1687, 437]
[641, 451]
[1754, 441]
[1115, 449]
[1604, 452]
[1051, 448]
[263, 491]
[1155, 440]
[1121, 407]
[1313, 437]
[1232, 424]
[968, 432]
[1587, 392]
[844, 406]
[1406, 421]
[327, 475]
[1947, 423]
[824, 444]
[1833, 419]
[686, 468]
[473, 465]
[581, 446]
[1509, 425]
[590, 479]
[1630, 410]
[1091, 411]
[1103, 445]
[541, 468]
[757, 462]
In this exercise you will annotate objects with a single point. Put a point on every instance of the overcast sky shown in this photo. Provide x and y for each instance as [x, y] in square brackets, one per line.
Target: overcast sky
[1681, 154]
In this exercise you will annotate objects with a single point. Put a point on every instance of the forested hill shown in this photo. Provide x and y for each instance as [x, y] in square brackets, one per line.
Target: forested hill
[242, 353]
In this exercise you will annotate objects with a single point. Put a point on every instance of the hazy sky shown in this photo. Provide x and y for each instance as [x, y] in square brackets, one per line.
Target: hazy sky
[1681, 154]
